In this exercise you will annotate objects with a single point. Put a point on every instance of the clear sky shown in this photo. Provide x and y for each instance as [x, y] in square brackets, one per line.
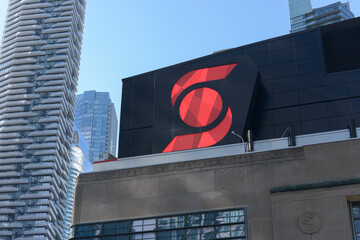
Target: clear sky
[123, 38]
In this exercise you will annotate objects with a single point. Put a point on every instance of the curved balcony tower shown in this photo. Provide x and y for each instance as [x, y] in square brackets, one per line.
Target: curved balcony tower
[39, 64]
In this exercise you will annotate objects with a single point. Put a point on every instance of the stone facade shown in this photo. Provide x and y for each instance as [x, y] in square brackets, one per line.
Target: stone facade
[295, 193]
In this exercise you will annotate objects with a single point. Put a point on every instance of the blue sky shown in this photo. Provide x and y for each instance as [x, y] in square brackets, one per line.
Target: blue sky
[123, 38]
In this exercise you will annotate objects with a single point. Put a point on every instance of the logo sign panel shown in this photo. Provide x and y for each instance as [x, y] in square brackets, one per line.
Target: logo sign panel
[197, 105]
[201, 107]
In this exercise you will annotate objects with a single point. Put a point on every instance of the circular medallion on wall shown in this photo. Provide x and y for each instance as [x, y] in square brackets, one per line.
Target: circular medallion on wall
[309, 223]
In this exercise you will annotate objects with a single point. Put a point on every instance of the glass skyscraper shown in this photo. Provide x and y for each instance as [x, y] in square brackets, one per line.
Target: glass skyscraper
[39, 63]
[95, 116]
[303, 16]
[79, 163]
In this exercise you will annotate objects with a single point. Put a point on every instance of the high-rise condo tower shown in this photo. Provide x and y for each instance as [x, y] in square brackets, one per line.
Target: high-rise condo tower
[303, 16]
[79, 163]
[95, 116]
[39, 63]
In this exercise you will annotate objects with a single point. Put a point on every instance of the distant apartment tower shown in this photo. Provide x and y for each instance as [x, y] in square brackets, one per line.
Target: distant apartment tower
[79, 163]
[303, 16]
[39, 63]
[95, 116]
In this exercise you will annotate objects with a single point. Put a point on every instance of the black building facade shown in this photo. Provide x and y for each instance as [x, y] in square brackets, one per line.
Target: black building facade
[309, 79]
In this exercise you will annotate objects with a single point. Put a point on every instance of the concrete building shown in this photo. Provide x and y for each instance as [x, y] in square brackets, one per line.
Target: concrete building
[96, 119]
[39, 63]
[79, 163]
[303, 16]
[185, 172]
[292, 193]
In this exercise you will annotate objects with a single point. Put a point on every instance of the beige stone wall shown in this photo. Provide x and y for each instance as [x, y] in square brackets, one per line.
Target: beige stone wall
[329, 204]
[239, 181]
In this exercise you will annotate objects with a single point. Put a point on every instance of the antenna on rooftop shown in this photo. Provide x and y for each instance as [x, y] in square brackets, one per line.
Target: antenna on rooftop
[290, 134]
[242, 139]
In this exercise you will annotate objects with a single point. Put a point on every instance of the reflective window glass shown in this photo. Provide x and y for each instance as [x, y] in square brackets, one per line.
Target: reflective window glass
[355, 213]
[224, 224]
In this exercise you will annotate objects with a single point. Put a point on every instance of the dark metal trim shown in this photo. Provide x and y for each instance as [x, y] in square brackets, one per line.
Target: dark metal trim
[309, 186]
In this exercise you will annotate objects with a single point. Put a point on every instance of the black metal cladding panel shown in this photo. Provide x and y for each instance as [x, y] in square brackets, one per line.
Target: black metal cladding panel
[282, 55]
[298, 86]
[136, 121]
[137, 103]
[341, 46]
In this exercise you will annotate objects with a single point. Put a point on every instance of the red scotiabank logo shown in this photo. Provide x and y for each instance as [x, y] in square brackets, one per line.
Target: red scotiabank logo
[201, 107]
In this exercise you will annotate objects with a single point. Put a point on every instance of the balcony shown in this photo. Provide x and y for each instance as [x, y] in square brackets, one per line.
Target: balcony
[8, 189]
[7, 167]
[12, 204]
[9, 174]
[42, 165]
[7, 211]
[14, 161]
[10, 225]
[5, 233]
[32, 217]
[36, 196]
